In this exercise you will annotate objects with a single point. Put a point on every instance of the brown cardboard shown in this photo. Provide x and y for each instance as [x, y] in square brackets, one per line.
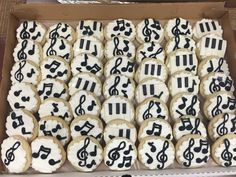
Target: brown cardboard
[56, 12]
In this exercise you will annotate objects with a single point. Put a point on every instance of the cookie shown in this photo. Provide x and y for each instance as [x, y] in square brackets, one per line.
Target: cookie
[61, 30]
[55, 67]
[52, 88]
[87, 125]
[184, 104]
[211, 45]
[90, 28]
[85, 153]
[149, 30]
[192, 151]
[121, 85]
[151, 68]
[84, 102]
[217, 103]
[183, 81]
[186, 125]
[120, 128]
[58, 47]
[206, 26]
[56, 107]
[151, 87]
[28, 50]
[117, 107]
[120, 154]
[23, 96]
[88, 45]
[155, 127]
[86, 63]
[22, 122]
[221, 125]
[215, 82]
[180, 42]
[156, 152]
[149, 108]
[213, 64]
[119, 65]
[48, 151]
[182, 60]
[150, 50]
[223, 150]
[31, 30]
[56, 127]
[25, 71]
[16, 154]
[120, 27]
[85, 81]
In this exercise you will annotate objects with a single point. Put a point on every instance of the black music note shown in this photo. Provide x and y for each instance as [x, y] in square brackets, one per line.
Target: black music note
[21, 54]
[221, 129]
[113, 90]
[218, 68]
[32, 51]
[93, 69]
[116, 50]
[85, 128]
[92, 105]
[233, 121]
[147, 113]
[54, 33]
[226, 154]
[191, 89]
[47, 88]
[10, 156]
[79, 109]
[36, 36]
[58, 95]
[186, 124]
[190, 109]
[114, 153]
[150, 159]
[44, 151]
[82, 154]
[87, 31]
[24, 34]
[231, 103]
[228, 84]
[43, 128]
[32, 29]
[183, 105]
[216, 110]
[129, 67]
[162, 156]
[114, 70]
[146, 31]
[175, 30]
[125, 162]
[53, 162]
[200, 148]
[188, 154]
[31, 73]
[18, 74]
[17, 120]
[53, 66]
[120, 25]
[195, 127]
[156, 130]
[50, 51]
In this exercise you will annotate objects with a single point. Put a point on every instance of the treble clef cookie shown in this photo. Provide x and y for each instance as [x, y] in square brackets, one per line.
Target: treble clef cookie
[85, 153]
[16, 154]
[156, 152]
[192, 151]
[48, 151]
[149, 30]
[25, 71]
[120, 154]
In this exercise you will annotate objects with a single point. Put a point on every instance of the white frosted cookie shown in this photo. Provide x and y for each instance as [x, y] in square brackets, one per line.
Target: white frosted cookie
[206, 26]
[215, 82]
[120, 128]
[28, 50]
[151, 68]
[90, 28]
[89, 45]
[23, 96]
[217, 103]
[120, 154]
[192, 151]
[150, 50]
[120, 65]
[151, 108]
[188, 125]
[55, 67]
[213, 64]
[52, 88]
[180, 42]
[85, 153]
[87, 125]
[85, 81]
[221, 125]
[56, 127]
[120, 27]
[84, 102]
[25, 71]
[22, 122]
[184, 104]
[155, 127]
[16, 154]
[86, 63]
[151, 87]
[156, 152]
[48, 151]
[56, 107]
[223, 151]
[149, 30]
[211, 45]
[31, 30]
[117, 107]
[62, 30]
[183, 81]
[182, 60]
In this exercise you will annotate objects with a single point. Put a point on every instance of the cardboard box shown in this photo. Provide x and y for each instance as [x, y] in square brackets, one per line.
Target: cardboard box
[162, 11]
